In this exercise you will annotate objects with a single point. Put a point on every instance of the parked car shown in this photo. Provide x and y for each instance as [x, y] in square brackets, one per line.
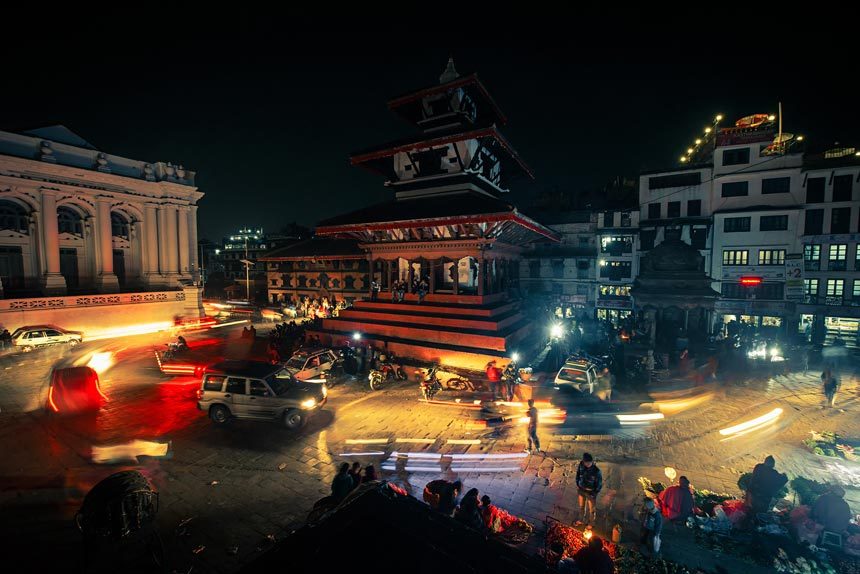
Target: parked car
[311, 364]
[578, 375]
[260, 391]
[74, 389]
[28, 338]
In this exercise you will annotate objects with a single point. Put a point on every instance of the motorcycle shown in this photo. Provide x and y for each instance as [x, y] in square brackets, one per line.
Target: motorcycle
[172, 350]
[431, 384]
[386, 372]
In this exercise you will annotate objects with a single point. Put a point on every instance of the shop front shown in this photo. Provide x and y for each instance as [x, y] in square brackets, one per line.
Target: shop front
[764, 316]
[570, 306]
[826, 324]
[614, 309]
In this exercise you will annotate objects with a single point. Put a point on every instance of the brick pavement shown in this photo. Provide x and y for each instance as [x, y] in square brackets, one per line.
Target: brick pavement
[45, 471]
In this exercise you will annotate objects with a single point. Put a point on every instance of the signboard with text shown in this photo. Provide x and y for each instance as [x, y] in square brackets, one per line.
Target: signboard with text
[794, 278]
[614, 304]
[753, 307]
[766, 272]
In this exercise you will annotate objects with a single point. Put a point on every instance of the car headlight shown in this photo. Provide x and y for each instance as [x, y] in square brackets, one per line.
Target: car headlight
[309, 404]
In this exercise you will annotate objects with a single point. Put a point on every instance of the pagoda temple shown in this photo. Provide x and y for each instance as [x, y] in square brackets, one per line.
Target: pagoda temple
[447, 225]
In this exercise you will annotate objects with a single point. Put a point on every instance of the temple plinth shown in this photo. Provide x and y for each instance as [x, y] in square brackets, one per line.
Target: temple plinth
[446, 226]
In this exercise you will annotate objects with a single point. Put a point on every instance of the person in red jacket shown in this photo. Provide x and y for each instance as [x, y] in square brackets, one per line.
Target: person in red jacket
[494, 375]
[676, 502]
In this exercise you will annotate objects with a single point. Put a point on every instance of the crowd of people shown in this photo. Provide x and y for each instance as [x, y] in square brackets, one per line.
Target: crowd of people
[319, 307]
[399, 289]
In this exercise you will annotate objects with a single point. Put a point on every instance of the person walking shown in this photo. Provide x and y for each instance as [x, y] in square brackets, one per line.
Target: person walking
[652, 527]
[533, 439]
[589, 483]
[831, 386]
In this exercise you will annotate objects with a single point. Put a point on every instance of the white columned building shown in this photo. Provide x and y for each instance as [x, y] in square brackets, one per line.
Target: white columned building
[75, 220]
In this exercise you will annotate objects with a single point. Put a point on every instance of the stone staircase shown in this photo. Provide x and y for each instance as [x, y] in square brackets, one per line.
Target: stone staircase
[466, 331]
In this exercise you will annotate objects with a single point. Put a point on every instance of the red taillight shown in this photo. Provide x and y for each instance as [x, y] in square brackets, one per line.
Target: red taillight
[199, 393]
[51, 399]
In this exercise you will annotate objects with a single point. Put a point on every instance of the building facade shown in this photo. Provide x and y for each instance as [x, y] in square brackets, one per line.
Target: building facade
[74, 219]
[617, 263]
[562, 275]
[830, 242]
[317, 268]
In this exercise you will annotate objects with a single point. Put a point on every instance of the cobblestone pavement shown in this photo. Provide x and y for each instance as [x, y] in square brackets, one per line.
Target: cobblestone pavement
[227, 493]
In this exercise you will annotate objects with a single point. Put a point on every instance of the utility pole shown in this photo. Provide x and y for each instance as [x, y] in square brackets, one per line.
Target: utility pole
[202, 270]
[247, 273]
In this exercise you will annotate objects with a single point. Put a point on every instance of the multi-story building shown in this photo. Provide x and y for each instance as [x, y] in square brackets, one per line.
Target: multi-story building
[247, 244]
[618, 264]
[676, 204]
[76, 222]
[317, 268]
[757, 199]
[563, 274]
[76, 219]
[830, 224]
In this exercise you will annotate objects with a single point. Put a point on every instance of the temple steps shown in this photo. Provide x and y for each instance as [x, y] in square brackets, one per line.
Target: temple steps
[411, 306]
[480, 323]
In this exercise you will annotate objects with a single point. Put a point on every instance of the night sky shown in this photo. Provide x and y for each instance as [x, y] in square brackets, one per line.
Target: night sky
[267, 113]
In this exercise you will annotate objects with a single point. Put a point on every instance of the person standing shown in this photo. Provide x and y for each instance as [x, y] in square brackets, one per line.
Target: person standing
[652, 527]
[494, 376]
[342, 483]
[763, 485]
[532, 428]
[589, 483]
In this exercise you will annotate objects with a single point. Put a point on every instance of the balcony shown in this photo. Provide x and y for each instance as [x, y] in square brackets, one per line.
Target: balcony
[836, 265]
[833, 300]
[812, 264]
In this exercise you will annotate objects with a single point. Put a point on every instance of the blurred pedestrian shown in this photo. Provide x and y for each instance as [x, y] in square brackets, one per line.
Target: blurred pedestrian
[533, 439]
[494, 376]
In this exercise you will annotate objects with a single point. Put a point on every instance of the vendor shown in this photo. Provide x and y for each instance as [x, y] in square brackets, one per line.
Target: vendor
[763, 485]
[831, 510]
[676, 502]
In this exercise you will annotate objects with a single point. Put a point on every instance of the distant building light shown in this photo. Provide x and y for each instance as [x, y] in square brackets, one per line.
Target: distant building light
[750, 281]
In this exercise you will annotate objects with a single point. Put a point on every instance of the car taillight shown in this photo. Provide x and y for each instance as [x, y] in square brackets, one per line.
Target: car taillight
[199, 393]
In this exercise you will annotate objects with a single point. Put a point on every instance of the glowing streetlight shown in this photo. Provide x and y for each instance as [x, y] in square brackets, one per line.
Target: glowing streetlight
[683, 158]
[356, 336]
[515, 357]
[698, 142]
[707, 130]
[771, 117]
[719, 117]
[556, 331]
[689, 150]
[800, 138]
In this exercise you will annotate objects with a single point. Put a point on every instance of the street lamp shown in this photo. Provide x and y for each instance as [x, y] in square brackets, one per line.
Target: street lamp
[356, 336]
[556, 331]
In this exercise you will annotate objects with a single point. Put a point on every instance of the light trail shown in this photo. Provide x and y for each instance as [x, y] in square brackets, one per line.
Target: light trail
[751, 425]
[366, 441]
[371, 453]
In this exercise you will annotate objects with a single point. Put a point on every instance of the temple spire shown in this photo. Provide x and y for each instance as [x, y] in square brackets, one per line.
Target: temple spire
[450, 72]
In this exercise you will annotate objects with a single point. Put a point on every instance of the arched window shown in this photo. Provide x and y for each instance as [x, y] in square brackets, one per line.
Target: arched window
[69, 221]
[13, 217]
[118, 225]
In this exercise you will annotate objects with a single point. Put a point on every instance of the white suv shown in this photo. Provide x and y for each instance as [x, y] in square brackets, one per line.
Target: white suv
[29, 338]
[581, 376]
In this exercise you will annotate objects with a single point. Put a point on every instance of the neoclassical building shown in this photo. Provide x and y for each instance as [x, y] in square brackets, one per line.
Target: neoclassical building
[74, 219]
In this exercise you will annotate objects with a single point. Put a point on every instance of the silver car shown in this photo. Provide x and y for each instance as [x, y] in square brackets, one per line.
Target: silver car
[28, 338]
[260, 391]
[577, 375]
[311, 365]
